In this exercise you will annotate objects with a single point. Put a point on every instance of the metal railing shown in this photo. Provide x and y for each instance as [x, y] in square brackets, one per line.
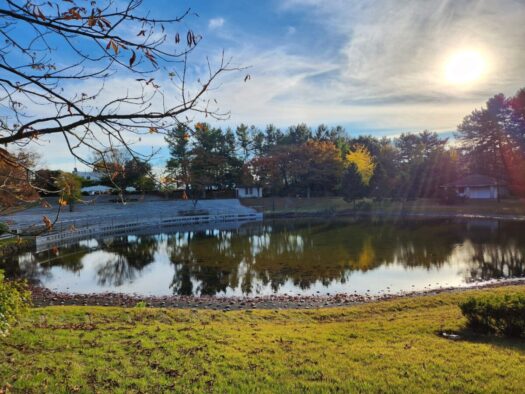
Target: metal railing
[85, 227]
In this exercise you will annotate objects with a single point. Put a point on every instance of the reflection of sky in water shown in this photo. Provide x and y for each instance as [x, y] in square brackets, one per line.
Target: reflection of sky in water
[292, 257]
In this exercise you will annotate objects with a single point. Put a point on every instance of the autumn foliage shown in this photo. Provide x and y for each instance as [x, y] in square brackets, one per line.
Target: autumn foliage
[15, 186]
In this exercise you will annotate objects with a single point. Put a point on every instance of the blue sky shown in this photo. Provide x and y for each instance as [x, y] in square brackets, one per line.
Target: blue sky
[375, 67]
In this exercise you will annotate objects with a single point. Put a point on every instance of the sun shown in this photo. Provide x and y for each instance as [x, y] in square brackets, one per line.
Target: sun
[465, 67]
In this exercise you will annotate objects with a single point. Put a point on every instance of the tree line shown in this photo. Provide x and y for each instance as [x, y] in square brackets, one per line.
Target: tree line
[305, 161]
[324, 161]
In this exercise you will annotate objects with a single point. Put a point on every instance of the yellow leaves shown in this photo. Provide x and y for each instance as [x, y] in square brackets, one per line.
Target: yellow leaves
[363, 161]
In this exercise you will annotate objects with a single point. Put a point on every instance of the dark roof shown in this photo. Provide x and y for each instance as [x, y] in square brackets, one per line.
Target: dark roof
[476, 180]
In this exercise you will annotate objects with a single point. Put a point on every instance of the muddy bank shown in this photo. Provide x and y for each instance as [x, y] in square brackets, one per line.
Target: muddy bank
[46, 297]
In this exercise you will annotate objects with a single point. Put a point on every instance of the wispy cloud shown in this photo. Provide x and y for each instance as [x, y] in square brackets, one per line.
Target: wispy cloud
[216, 23]
[367, 65]
[381, 64]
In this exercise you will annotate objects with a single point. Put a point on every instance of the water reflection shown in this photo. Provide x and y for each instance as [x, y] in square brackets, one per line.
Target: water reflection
[299, 256]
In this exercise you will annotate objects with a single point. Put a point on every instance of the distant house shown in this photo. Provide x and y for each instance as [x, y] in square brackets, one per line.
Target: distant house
[248, 192]
[479, 187]
[93, 176]
[98, 189]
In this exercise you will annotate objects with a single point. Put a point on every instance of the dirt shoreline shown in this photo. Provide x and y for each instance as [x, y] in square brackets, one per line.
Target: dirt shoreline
[45, 297]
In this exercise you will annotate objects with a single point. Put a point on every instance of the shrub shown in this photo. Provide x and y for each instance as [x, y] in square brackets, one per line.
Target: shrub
[496, 314]
[364, 204]
[14, 301]
[141, 304]
[4, 228]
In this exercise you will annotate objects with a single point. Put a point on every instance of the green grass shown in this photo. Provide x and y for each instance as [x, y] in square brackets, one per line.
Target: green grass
[389, 346]
[511, 207]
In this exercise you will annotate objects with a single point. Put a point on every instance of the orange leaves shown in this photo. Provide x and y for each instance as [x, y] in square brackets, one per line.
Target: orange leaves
[114, 45]
[72, 14]
[38, 14]
[92, 21]
[150, 57]
[201, 126]
[62, 202]
[47, 223]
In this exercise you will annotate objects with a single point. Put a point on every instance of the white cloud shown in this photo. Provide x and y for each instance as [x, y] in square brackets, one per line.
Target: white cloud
[216, 23]
[384, 70]
[388, 66]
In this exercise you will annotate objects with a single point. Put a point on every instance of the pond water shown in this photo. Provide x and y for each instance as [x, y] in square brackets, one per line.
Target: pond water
[294, 257]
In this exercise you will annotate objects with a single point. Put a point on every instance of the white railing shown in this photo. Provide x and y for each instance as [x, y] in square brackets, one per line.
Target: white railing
[86, 227]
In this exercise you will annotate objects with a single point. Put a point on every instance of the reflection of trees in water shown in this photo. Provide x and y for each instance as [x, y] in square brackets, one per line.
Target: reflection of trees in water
[305, 252]
[23, 266]
[302, 252]
[206, 262]
[126, 257]
[496, 261]
[36, 266]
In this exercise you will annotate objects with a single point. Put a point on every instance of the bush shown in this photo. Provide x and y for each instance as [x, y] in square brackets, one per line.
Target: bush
[4, 228]
[496, 314]
[365, 204]
[14, 301]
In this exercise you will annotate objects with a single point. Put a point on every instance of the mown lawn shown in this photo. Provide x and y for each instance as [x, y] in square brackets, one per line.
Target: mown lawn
[389, 346]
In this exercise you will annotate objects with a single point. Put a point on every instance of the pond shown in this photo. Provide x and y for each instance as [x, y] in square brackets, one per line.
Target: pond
[293, 257]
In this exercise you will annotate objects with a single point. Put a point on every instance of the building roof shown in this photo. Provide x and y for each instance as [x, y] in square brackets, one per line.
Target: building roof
[476, 180]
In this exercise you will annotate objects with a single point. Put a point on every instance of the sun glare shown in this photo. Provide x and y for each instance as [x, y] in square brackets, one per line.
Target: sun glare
[465, 67]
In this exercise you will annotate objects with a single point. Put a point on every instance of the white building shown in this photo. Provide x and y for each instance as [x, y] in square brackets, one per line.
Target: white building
[479, 187]
[248, 192]
[88, 175]
[98, 189]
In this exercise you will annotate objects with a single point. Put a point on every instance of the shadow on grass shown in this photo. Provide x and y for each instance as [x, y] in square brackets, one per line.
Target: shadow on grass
[468, 335]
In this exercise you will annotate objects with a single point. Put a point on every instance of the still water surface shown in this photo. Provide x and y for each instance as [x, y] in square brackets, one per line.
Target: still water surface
[300, 256]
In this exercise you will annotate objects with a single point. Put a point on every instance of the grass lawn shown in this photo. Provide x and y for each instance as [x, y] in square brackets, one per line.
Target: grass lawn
[389, 346]
[511, 207]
